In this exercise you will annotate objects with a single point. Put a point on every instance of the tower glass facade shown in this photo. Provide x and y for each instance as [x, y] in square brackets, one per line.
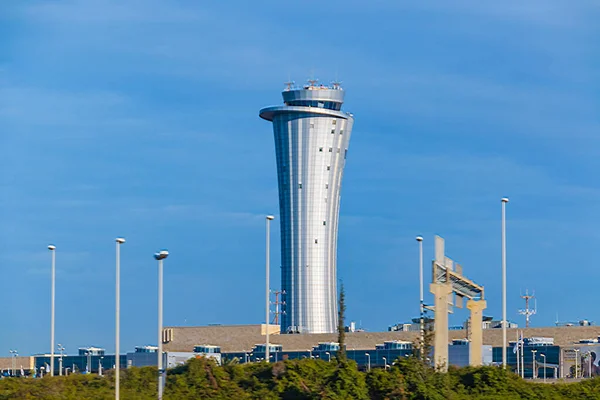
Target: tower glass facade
[311, 142]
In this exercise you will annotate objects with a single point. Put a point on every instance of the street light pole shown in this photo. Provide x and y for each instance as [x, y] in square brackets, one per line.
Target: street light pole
[421, 305]
[384, 363]
[368, 361]
[504, 201]
[269, 218]
[119, 242]
[576, 361]
[543, 355]
[160, 256]
[60, 360]
[13, 363]
[534, 372]
[52, 249]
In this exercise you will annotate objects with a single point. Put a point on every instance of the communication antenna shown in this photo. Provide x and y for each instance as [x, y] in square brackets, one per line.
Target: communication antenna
[336, 84]
[277, 303]
[527, 312]
[289, 85]
[313, 82]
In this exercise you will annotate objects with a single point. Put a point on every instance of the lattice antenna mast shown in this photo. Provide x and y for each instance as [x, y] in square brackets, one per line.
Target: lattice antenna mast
[278, 303]
[527, 312]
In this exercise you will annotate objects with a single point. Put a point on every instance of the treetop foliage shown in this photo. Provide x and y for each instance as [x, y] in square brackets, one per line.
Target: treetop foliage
[305, 379]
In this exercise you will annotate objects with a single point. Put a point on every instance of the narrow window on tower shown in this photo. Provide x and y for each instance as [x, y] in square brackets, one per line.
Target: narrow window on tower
[328, 167]
[330, 149]
[345, 153]
[341, 131]
[333, 131]
[312, 125]
[321, 149]
[299, 186]
[316, 241]
[338, 150]
[324, 223]
[327, 186]
[334, 122]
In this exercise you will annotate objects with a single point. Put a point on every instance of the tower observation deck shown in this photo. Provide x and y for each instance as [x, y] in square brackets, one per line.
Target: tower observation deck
[311, 143]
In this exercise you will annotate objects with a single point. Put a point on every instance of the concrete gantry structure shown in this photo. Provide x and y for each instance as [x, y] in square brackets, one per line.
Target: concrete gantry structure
[311, 142]
[449, 283]
[476, 330]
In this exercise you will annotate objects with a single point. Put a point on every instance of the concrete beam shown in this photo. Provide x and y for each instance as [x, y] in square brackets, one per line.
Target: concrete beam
[440, 293]
[476, 332]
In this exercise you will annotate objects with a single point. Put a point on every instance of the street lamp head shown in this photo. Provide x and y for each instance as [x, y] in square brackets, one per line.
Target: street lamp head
[505, 199]
[120, 240]
[51, 247]
[270, 217]
[161, 255]
[419, 238]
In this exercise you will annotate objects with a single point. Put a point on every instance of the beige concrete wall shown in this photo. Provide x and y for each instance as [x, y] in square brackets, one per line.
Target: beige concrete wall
[273, 329]
[244, 337]
[26, 362]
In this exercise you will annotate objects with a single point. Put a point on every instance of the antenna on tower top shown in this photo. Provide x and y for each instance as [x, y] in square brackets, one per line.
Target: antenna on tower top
[527, 312]
[313, 82]
[289, 85]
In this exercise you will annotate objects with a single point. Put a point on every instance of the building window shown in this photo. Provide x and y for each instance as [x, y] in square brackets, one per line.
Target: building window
[324, 223]
[330, 149]
[299, 186]
[327, 186]
[320, 149]
[341, 131]
[333, 131]
[328, 167]
[316, 241]
[338, 150]
[334, 122]
[312, 125]
[345, 153]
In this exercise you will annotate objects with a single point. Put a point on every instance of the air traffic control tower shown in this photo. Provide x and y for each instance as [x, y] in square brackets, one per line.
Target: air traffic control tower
[311, 142]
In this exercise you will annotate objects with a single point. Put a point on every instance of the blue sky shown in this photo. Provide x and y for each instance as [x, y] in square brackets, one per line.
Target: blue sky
[140, 119]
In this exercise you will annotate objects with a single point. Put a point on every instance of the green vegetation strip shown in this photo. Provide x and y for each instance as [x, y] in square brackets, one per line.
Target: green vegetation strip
[300, 379]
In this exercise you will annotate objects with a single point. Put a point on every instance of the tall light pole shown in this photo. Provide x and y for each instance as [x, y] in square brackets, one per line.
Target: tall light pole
[60, 360]
[384, 363]
[328, 356]
[119, 242]
[368, 361]
[504, 201]
[13, 363]
[576, 361]
[543, 355]
[421, 305]
[269, 218]
[160, 256]
[534, 372]
[52, 249]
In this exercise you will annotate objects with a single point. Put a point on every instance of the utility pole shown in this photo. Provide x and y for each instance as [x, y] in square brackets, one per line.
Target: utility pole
[278, 303]
[527, 312]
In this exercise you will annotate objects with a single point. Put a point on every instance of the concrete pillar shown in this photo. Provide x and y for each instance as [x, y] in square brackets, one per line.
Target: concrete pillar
[440, 293]
[476, 333]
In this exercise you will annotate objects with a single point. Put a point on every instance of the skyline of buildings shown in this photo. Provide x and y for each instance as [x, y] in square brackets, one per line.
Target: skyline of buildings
[312, 135]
